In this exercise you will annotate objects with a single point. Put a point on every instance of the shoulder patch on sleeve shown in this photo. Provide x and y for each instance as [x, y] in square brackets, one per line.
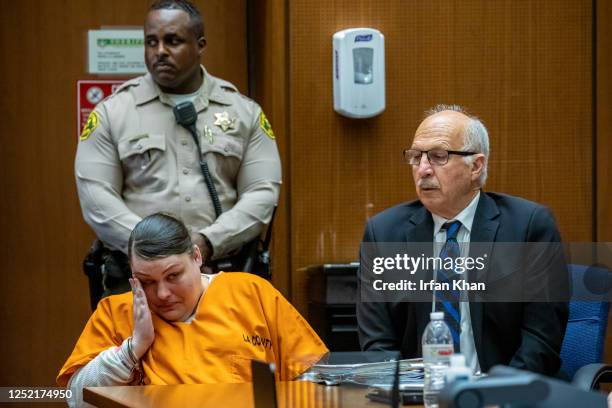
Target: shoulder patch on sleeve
[90, 126]
[264, 124]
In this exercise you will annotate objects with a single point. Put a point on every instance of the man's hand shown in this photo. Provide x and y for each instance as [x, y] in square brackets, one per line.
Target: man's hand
[143, 334]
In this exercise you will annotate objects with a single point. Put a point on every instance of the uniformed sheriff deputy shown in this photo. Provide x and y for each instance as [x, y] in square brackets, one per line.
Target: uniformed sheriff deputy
[133, 159]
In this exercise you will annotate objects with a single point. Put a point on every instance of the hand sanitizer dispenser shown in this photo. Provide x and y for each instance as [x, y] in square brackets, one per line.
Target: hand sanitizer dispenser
[359, 72]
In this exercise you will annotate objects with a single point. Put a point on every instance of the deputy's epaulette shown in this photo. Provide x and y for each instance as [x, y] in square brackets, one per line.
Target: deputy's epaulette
[124, 86]
[227, 88]
[127, 85]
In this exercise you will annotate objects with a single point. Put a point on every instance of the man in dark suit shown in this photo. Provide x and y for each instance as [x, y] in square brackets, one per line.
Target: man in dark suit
[448, 157]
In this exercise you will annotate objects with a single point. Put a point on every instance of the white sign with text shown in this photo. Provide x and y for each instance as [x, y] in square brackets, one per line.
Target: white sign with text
[116, 51]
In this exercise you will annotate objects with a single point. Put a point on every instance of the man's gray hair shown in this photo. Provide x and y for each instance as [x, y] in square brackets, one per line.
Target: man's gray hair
[476, 137]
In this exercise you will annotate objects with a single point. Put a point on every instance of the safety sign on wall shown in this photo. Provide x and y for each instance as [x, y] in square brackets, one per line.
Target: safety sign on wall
[89, 94]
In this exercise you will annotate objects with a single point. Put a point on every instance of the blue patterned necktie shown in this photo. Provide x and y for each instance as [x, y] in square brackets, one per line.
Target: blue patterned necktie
[447, 301]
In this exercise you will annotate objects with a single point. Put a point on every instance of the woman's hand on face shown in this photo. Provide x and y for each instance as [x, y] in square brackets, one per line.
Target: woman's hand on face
[143, 334]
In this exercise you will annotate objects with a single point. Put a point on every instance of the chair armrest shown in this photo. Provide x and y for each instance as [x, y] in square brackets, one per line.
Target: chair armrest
[590, 376]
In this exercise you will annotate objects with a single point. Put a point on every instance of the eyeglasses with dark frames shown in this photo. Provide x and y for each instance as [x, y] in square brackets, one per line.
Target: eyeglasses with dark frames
[436, 157]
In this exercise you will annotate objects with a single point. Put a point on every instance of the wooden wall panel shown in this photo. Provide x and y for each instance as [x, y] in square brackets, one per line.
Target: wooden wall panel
[604, 121]
[523, 67]
[45, 300]
[270, 87]
[604, 136]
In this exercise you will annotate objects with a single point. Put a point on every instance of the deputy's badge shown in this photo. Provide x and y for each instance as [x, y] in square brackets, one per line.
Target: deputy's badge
[224, 121]
[90, 126]
[265, 126]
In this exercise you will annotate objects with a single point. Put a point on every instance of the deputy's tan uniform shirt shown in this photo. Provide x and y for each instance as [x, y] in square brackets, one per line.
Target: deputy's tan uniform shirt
[133, 160]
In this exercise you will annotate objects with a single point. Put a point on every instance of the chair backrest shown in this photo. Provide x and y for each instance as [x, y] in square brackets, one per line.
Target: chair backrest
[586, 328]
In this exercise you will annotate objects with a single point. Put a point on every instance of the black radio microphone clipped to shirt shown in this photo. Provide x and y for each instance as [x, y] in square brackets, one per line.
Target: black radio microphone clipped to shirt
[186, 116]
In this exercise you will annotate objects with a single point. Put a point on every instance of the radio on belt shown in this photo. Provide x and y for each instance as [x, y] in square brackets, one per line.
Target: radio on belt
[359, 72]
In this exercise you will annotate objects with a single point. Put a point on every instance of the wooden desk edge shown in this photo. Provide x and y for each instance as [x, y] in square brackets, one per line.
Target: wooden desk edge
[91, 396]
[123, 396]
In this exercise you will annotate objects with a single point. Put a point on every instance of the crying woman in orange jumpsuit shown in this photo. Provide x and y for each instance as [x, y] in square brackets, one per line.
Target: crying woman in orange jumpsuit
[179, 326]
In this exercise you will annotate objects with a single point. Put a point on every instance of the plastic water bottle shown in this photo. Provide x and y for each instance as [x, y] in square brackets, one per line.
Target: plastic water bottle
[437, 349]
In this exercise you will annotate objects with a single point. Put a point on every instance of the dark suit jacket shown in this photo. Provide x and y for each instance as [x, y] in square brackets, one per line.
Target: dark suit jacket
[525, 335]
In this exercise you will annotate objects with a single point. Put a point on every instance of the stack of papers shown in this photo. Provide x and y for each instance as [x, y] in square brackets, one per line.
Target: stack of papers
[379, 374]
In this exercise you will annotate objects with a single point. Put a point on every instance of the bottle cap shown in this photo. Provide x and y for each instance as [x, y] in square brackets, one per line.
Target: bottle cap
[436, 315]
[457, 360]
